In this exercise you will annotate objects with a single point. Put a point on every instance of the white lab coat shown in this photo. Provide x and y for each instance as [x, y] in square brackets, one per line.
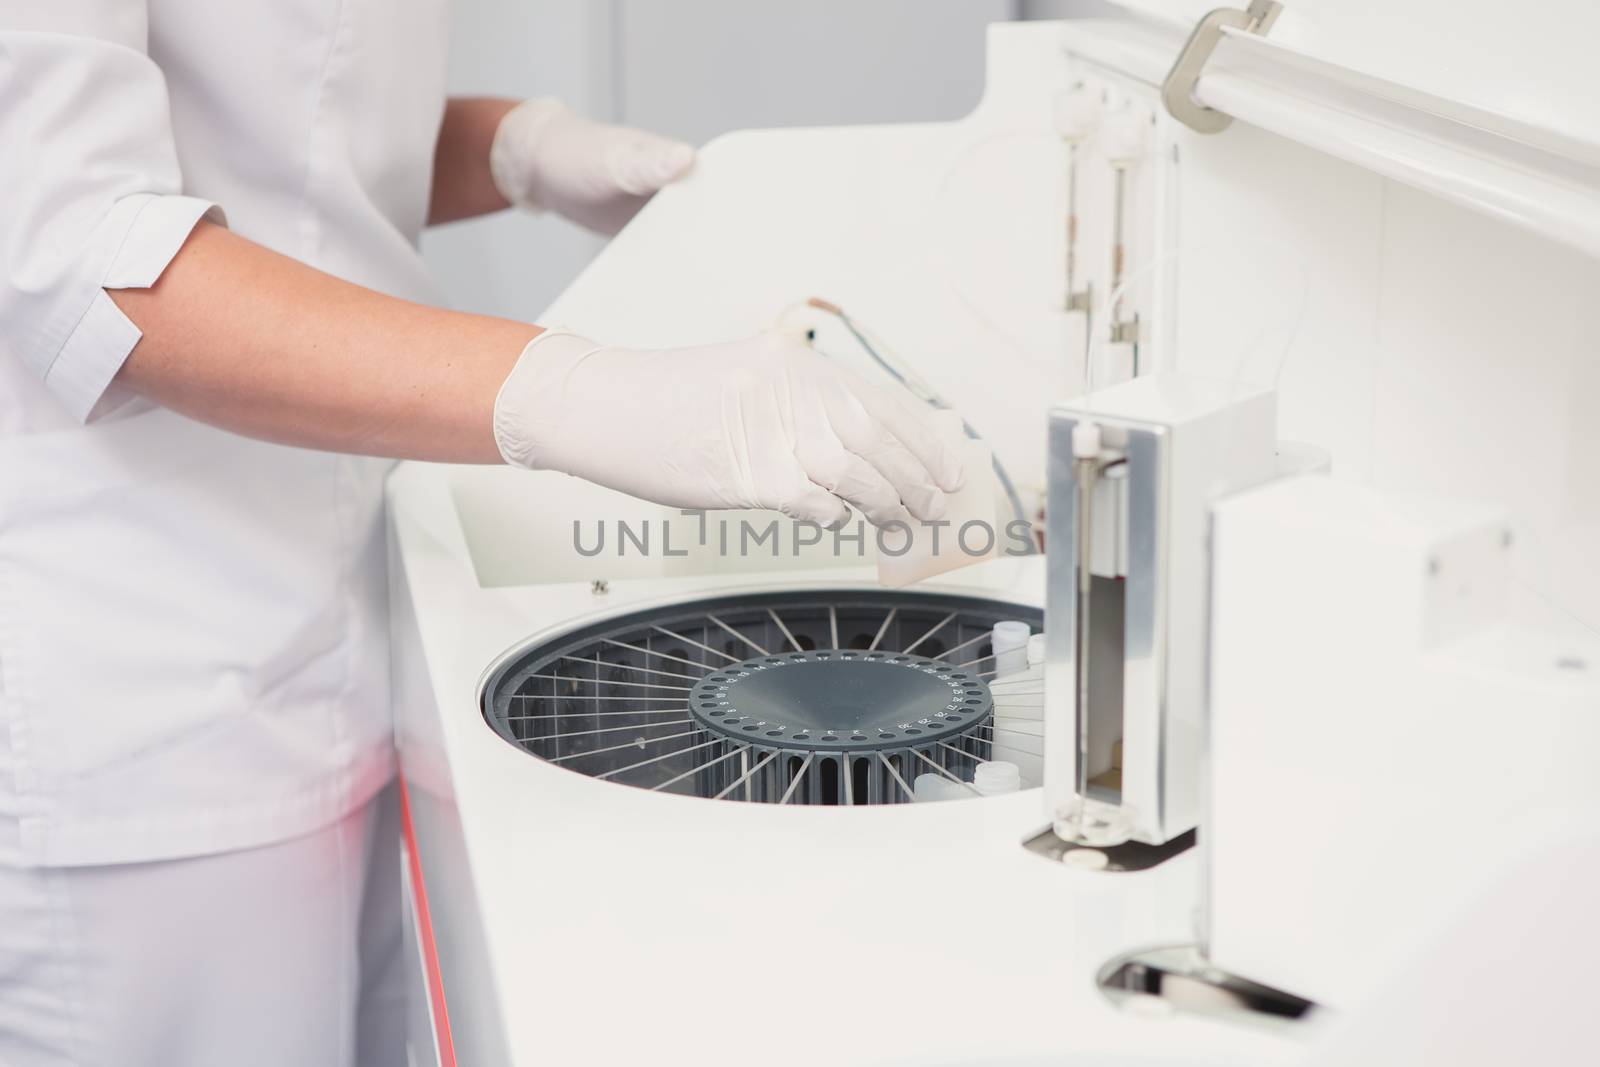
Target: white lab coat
[192, 625]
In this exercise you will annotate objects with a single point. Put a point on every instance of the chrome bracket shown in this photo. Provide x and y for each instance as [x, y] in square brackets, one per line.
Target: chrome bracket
[1177, 92]
[1128, 856]
[1179, 979]
[1125, 332]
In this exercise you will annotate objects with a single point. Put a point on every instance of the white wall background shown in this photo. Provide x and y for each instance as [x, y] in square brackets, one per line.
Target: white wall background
[511, 264]
[695, 69]
[1065, 9]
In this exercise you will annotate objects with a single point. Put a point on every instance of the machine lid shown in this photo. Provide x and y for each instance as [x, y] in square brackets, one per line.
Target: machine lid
[1471, 51]
[1515, 137]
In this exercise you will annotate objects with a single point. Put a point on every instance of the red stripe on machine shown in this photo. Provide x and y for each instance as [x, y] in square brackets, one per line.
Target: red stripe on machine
[430, 951]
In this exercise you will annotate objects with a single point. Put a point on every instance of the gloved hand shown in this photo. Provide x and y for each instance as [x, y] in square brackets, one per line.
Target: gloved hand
[599, 176]
[760, 423]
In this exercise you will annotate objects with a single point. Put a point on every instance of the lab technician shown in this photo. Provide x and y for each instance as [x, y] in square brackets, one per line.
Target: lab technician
[212, 318]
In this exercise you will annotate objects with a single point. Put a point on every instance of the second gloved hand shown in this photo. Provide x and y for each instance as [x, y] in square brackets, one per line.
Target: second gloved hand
[762, 423]
[597, 175]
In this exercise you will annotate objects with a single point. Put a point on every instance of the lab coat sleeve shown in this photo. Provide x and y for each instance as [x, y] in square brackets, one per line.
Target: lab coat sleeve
[91, 196]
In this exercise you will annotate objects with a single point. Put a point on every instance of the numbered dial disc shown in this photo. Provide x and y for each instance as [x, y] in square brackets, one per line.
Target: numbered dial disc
[841, 700]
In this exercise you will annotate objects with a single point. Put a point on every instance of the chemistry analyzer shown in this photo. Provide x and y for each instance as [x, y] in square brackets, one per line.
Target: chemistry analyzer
[1276, 327]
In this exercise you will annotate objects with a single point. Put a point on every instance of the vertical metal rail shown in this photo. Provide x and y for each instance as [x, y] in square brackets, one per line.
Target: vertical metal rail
[1086, 470]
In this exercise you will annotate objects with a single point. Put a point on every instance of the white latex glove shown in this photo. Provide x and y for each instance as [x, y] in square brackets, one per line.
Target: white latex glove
[761, 423]
[599, 176]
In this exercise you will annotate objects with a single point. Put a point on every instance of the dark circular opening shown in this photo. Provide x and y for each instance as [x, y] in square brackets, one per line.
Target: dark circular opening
[838, 708]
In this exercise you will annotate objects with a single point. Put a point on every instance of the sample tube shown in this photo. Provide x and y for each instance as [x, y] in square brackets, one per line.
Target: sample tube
[996, 777]
[1009, 640]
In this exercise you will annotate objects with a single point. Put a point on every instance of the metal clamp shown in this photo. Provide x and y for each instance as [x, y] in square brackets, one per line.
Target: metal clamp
[1177, 92]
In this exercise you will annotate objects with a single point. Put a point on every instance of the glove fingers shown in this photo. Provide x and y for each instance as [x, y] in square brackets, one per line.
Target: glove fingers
[894, 462]
[812, 503]
[938, 450]
[853, 479]
[641, 163]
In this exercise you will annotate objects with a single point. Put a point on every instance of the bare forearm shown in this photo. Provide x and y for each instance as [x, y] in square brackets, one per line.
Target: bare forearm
[260, 344]
[463, 186]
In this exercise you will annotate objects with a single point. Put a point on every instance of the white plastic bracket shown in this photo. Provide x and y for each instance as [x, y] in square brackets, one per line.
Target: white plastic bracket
[1177, 91]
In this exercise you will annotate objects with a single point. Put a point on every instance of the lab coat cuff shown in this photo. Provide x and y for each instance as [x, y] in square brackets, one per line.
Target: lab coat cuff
[146, 231]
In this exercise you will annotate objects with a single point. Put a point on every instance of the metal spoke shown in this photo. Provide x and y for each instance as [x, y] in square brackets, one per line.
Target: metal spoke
[696, 770]
[973, 756]
[770, 756]
[614, 748]
[739, 635]
[980, 659]
[609, 730]
[945, 772]
[580, 696]
[1003, 730]
[833, 625]
[785, 630]
[595, 714]
[658, 759]
[653, 652]
[696, 644]
[799, 776]
[607, 681]
[887, 619]
[626, 667]
[965, 644]
[941, 624]
[896, 775]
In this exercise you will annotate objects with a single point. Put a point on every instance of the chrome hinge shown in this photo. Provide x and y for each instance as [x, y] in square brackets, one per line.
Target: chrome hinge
[1177, 92]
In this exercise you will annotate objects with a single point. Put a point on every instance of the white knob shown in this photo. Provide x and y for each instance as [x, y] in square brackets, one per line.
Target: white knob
[1086, 440]
[1125, 136]
[1078, 112]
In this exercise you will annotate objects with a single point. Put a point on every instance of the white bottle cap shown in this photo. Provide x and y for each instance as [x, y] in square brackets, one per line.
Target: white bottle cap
[928, 787]
[995, 778]
[1086, 440]
[1009, 645]
[1010, 634]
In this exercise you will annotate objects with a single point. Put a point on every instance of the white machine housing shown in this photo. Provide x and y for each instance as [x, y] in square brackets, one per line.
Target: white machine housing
[1391, 723]
[1412, 216]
